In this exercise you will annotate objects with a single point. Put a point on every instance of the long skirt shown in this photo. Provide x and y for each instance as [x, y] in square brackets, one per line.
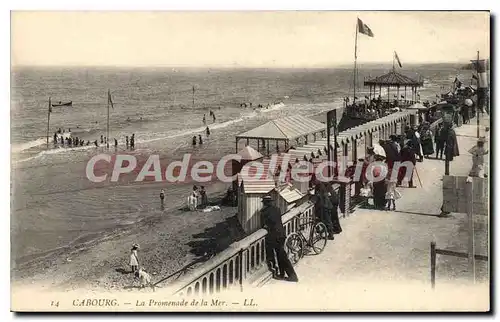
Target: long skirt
[379, 190]
[427, 146]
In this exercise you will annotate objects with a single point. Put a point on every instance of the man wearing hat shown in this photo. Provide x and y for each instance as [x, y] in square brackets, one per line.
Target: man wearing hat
[275, 241]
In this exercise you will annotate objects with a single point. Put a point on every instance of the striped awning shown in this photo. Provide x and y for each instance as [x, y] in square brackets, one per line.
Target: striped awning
[310, 151]
[347, 136]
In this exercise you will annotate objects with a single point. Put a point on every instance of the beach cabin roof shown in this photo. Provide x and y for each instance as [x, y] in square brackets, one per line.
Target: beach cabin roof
[347, 136]
[249, 153]
[287, 128]
[306, 150]
[281, 160]
[261, 186]
[289, 193]
[394, 78]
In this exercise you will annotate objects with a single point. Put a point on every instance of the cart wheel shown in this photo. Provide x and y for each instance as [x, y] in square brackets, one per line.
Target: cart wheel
[319, 237]
[294, 247]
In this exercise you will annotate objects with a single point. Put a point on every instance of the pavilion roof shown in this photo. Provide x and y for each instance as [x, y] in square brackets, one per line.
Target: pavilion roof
[287, 128]
[394, 78]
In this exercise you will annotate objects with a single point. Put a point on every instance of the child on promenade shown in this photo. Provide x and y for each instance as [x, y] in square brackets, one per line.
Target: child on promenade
[392, 194]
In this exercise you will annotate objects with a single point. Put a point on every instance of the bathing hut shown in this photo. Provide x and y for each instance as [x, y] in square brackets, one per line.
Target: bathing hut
[250, 195]
[286, 197]
[247, 154]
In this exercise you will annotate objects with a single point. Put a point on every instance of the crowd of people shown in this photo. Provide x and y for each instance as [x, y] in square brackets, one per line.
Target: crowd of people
[250, 105]
[64, 139]
[416, 144]
[373, 108]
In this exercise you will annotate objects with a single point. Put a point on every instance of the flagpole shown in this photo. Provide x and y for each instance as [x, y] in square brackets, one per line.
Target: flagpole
[477, 91]
[107, 128]
[393, 59]
[355, 58]
[48, 122]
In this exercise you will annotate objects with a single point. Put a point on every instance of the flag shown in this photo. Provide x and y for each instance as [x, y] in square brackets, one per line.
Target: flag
[50, 106]
[331, 120]
[364, 29]
[481, 72]
[397, 58]
[402, 96]
[110, 101]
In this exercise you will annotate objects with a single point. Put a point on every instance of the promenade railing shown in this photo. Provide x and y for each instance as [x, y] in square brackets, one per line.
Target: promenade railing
[241, 264]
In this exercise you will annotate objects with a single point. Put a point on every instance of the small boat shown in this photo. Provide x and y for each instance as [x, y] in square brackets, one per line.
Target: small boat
[70, 103]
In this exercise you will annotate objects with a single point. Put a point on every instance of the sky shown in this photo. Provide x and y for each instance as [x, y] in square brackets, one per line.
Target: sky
[243, 39]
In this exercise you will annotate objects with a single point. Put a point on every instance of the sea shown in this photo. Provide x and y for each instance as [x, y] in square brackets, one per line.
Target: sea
[55, 207]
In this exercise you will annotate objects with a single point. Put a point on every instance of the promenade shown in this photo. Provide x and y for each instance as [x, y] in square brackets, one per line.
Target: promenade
[381, 260]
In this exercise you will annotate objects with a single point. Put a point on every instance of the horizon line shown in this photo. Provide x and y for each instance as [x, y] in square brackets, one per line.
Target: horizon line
[349, 65]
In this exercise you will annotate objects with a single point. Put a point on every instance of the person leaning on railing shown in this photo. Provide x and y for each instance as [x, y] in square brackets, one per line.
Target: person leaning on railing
[275, 240]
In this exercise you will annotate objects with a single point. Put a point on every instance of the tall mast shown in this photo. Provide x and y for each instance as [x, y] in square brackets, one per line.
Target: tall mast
[479, 101]
[355, 58]
[48, 122]
[107, 128]
[193, 96]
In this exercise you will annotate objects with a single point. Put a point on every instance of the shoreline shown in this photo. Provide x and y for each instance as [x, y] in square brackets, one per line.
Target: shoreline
[172, 235]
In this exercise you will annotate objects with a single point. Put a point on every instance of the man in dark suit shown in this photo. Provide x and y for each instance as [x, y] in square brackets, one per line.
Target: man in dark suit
[275, 240]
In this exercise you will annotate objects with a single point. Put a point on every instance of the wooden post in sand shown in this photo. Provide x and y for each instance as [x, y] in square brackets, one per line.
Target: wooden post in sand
[470, 216]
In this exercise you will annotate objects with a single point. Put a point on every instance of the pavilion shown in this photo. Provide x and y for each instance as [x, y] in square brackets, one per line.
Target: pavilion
[393, 79]
[284, 130]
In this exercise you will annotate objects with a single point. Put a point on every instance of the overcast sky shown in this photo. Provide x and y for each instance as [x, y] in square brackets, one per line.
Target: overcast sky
[244, 39]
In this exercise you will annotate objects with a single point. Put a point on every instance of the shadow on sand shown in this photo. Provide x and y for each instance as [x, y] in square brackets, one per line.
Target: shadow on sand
[122, 271]
[215, 239]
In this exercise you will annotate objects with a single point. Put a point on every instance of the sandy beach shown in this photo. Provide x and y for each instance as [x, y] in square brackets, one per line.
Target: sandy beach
[168, 241]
